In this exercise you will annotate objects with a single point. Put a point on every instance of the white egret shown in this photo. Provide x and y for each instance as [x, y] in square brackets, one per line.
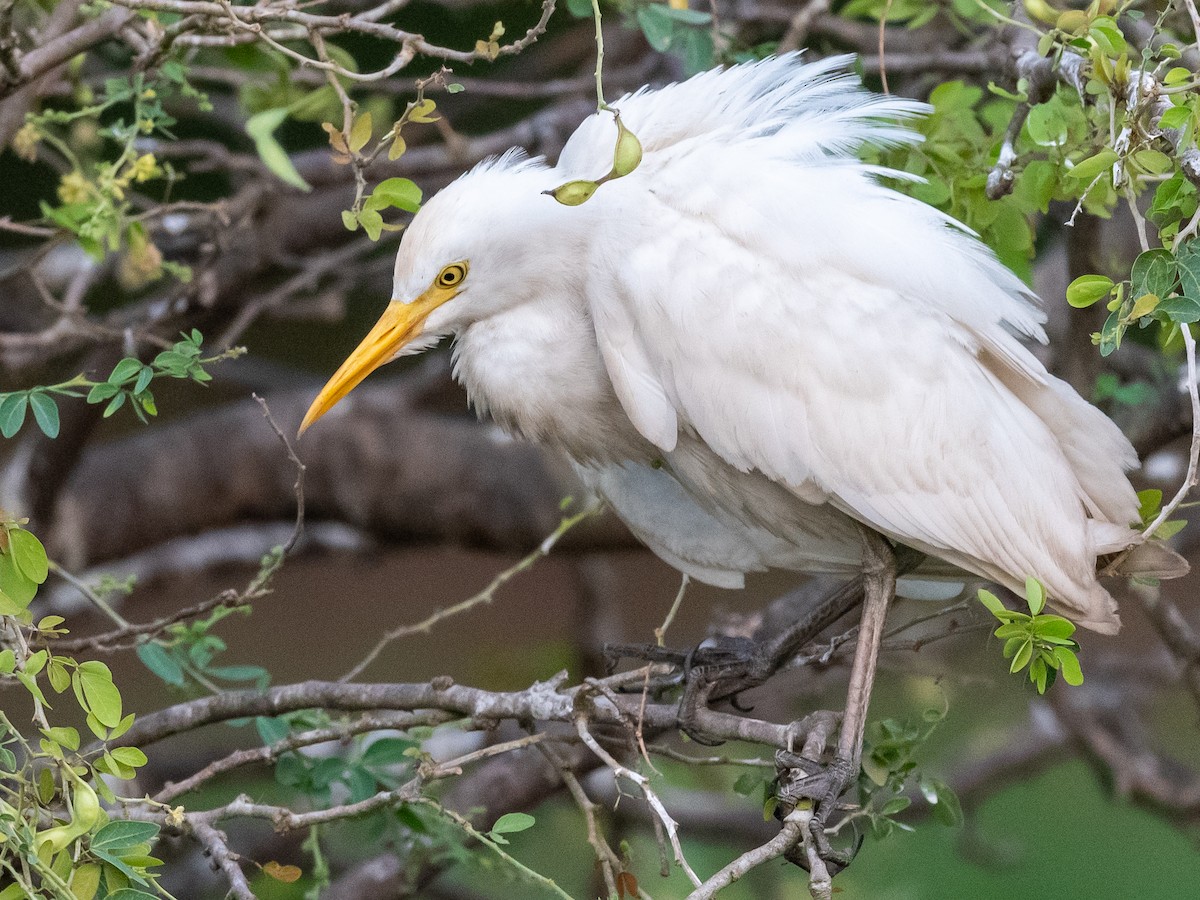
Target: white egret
[752, 343]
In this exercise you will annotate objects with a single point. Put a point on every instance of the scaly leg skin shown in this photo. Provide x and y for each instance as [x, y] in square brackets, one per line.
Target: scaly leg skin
[824, 785]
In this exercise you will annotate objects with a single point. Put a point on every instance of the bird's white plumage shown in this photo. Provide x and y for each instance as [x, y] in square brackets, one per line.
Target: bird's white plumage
[797, 344]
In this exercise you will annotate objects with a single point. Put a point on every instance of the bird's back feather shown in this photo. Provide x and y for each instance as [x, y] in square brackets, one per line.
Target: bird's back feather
[851, 343]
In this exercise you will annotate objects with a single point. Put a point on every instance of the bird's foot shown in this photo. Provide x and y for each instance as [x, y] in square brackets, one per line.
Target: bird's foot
[803, 780]
[716, 669]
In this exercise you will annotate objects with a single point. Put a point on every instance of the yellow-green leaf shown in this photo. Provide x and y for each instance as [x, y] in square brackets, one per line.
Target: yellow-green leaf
[360, 132]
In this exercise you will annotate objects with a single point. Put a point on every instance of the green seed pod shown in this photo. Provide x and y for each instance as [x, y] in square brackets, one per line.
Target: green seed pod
[628, 154]
[574, 193]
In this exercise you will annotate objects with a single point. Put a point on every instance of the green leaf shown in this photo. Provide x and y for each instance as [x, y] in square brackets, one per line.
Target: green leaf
[126, 370]
[129, 894]
[45, 412]
[372, 223]
[1150, 502]
[28, 554]
[947, 810]
[387, 751]
[895, 805]
[143, 380]
[1188, 261]
[1035, 595]
[1177, 75]
[1046, 125]
[992, 602]
[156, 658]
[85, 881]
[103, 698]
[1154, 272]
[1053, 627]
[271, 730]
[129, 756]
[401, 193]
[1088, 169]
[117, 402]
[454, 87]
[12, 413]
[1087, 289]
[657, 25]
[360, 132]
[510, 823]
[261, 128]
[1170, 528]
[1181, 310]
[64, 735]
[1069, 666]
[1023, 656]
[31, 685]
[15, 584]
[102, 391]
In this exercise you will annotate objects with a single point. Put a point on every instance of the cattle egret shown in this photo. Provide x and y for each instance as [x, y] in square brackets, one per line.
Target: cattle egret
[752, 343]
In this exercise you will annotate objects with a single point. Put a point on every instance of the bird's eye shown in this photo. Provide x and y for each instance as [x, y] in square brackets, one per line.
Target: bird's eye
[452, 275]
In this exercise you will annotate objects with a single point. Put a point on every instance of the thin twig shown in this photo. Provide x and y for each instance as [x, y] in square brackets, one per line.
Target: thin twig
[643, 783]
[793, 831]
[298, 487]
[487, 595]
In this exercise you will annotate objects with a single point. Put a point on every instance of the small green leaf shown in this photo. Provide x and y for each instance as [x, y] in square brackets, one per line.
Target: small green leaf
[747, 783]
[103, 699]
[402, 193]
[28, 554]
[1088, 169]
[128, 756]
[510, 823]
[1170, 528]
[895, 805]
[372, 223]
[1023, 656]
[1087, 289]
[387, 751]
[1188, 263]
[1035, 595]
[1053, 627]
[15, 584]
[121, 835]
[360, 132]
[45, 413]
[125, 370]
[1154, 272]
[1181, 310]
[261, 128]
[101, 392]
[12, 413]
[85, 881]
[1069, 666]
[454, 88]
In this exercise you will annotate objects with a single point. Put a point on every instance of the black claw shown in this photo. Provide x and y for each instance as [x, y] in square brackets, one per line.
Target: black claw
[735, 702]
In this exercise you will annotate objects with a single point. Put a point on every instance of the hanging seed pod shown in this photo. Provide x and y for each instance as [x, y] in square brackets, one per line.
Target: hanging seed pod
[573, 193]
[628, 154]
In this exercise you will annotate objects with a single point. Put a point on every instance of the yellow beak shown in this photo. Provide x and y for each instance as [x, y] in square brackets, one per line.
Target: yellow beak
[399, 324]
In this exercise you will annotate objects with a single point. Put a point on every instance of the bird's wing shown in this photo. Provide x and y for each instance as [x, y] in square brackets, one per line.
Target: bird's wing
[848, 342]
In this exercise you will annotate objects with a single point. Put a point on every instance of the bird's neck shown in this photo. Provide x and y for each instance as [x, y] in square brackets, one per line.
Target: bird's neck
[536, 371]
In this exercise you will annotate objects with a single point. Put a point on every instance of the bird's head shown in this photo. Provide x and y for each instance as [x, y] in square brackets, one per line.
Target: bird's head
[475, 249]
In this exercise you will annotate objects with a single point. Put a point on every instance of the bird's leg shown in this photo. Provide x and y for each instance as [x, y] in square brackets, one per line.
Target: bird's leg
[771, 654]
[825, 784]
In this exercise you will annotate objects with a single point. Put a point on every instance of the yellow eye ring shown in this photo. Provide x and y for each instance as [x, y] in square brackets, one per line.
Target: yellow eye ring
[452, 275]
